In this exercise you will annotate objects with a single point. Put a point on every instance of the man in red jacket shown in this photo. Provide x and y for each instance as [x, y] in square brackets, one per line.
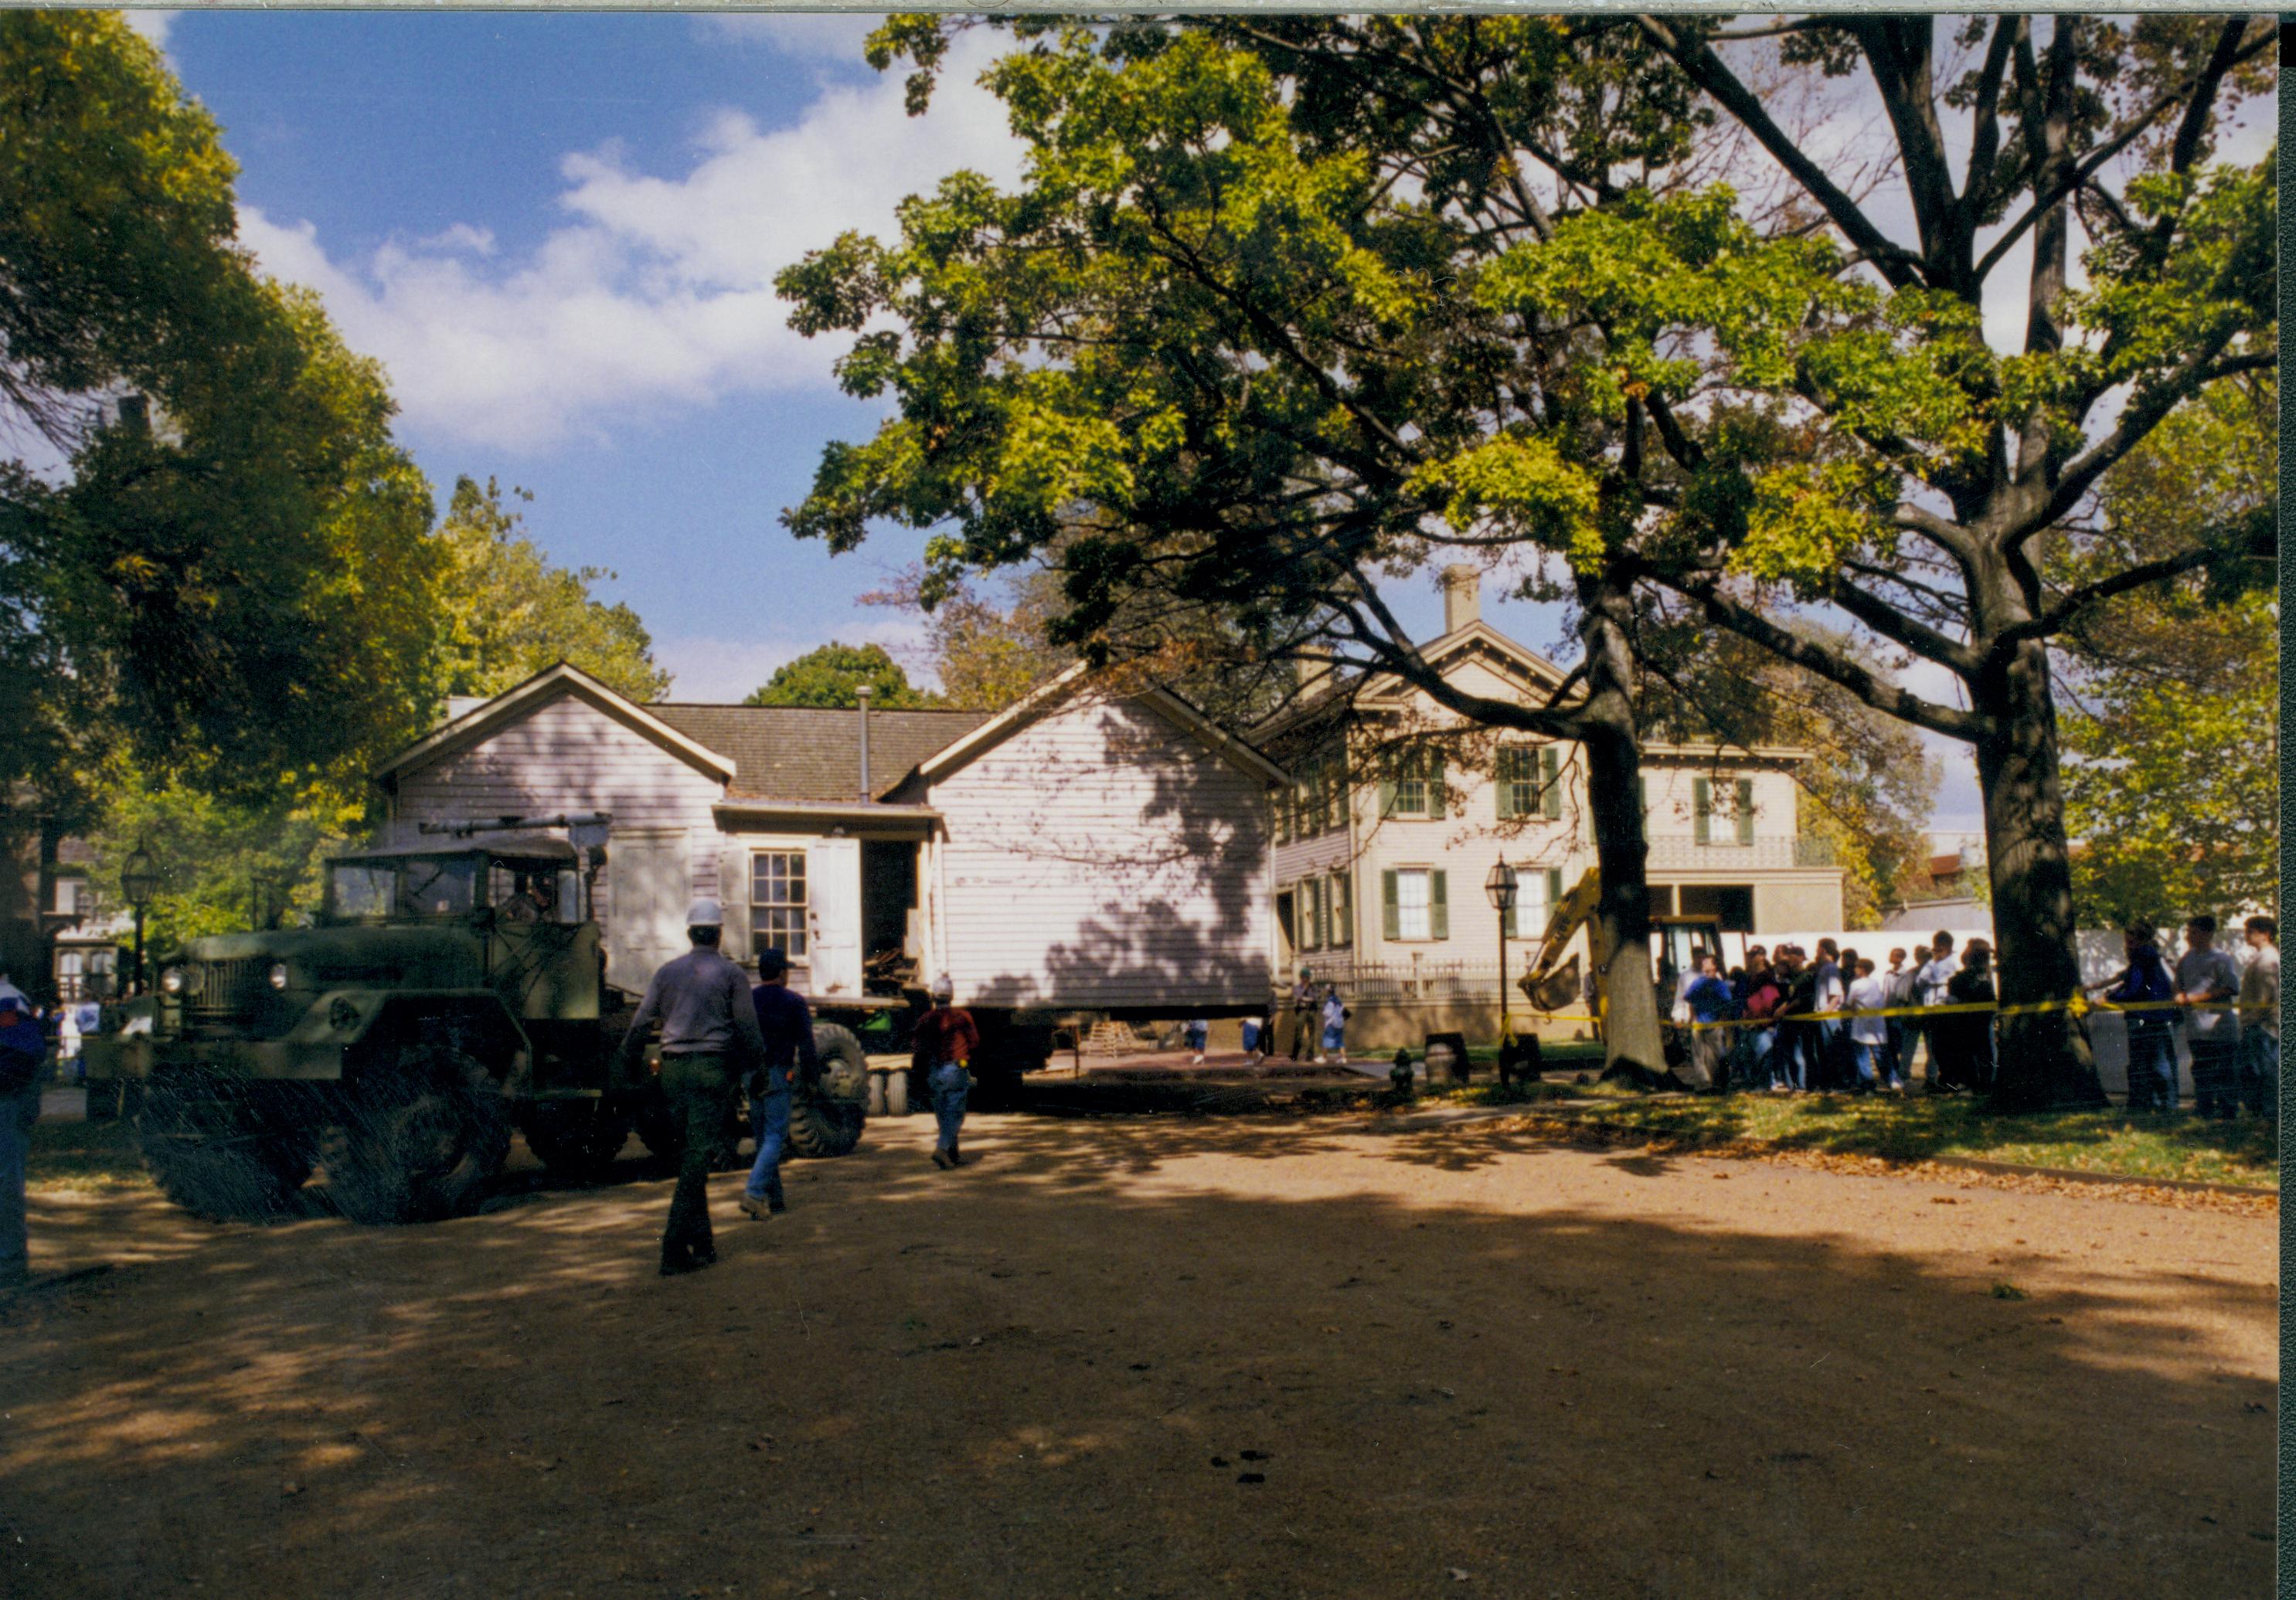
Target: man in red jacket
[945, 1038]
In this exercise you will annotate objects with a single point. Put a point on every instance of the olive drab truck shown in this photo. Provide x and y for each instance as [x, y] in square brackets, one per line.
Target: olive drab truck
[450, 991]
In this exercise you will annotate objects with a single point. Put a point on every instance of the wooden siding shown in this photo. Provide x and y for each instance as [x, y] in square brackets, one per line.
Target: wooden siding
[568, 756]
[1103, 857]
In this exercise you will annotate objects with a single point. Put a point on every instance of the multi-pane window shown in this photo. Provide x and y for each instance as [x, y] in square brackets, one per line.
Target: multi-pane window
[1529, 780]
[1416, 788]
[1741, 814]
[777, 902]
[1415, 903]
[1537, 891]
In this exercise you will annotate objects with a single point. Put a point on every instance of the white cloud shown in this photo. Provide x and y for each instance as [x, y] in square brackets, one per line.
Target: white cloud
[153, 25]
[818, 36]
[658, 290]
[717, 670]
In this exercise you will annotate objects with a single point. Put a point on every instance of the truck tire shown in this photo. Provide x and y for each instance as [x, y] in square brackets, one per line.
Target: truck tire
[422, 1135]
[207, 1157]
[826, 1118]
[896, 1092]
[877, 1092]
[575, 1138]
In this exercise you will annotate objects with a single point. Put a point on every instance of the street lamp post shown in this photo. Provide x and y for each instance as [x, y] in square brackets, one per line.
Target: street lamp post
[139, 880]
[1500, 885]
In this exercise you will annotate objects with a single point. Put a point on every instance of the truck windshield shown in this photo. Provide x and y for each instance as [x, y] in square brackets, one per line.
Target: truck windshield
[362, 889]
[438, 885]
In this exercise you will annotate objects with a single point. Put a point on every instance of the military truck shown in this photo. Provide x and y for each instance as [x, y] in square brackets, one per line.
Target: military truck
[450, 992]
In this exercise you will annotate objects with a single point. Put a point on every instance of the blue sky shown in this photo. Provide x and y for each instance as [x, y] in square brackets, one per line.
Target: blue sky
[558, 233]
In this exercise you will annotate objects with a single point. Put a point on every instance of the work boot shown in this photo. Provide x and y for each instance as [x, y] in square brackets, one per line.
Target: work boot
[754, 1208]
[955, 1158]
[941, 1160]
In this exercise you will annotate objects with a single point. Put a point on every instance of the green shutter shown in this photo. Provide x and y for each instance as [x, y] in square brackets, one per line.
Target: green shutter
[1438, 915]
[1387, 797]
[1438, 800]
[1323, 912]
[1503, 777]
[1554, 890]
[1550, 778]
[1391, 908]
[1702, 812]
[1745, 810]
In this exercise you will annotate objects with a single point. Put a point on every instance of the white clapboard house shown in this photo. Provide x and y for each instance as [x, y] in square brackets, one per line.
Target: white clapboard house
[1082, 850]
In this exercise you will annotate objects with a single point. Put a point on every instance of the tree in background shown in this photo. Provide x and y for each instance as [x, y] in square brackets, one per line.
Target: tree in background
[511, 613]
[1828, 425]
[831, 675]
[1210, 362]
[986, 655]
[2172, 727]
[214, 550]
[1867, 794]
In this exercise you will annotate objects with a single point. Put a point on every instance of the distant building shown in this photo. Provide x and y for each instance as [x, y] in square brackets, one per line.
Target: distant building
[1379, 880]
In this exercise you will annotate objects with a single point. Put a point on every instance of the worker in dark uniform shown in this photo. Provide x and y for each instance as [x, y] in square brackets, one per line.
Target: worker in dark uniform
[786, 1023]
[945, 1038]
[709, 1025]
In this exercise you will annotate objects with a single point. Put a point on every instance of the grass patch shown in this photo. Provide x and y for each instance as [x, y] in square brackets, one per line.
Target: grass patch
[2142, 1144]
[85, 1157]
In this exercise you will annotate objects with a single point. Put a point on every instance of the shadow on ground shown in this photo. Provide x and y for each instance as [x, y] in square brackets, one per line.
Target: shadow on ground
[1176, 1357]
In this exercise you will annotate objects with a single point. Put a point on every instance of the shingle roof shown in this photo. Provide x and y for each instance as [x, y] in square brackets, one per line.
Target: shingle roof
[810, 753]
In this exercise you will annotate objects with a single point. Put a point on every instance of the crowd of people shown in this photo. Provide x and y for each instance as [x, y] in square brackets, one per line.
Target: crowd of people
[1833, 1020]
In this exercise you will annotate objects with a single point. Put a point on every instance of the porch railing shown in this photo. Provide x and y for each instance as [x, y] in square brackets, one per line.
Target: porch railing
[1725, 853]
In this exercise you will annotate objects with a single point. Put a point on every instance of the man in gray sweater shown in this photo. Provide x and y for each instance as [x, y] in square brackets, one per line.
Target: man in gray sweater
[710, 1034]
[2205, 973]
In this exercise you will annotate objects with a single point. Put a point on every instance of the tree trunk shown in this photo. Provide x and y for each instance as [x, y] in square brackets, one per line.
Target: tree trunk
[1619, 936]
[2044, 1059]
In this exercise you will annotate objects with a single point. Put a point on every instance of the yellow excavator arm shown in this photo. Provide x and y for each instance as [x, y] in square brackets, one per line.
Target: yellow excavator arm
[1551, 984]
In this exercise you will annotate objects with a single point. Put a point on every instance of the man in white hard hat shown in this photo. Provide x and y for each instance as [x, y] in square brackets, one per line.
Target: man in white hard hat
[946, 1039]
[709, 1035]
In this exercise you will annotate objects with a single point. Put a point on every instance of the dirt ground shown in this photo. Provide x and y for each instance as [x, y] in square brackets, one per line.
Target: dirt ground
[1159, 1357]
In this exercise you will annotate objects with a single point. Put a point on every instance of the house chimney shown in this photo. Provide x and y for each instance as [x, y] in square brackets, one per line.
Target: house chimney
[861, 692]
[1462, 597]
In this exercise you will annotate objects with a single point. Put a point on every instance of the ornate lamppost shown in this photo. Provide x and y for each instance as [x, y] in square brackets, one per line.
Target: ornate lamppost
[1500, 885]
[139, 880]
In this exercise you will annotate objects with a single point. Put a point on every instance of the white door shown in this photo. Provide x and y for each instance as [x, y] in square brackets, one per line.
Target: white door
[832, 871]
[648, 888]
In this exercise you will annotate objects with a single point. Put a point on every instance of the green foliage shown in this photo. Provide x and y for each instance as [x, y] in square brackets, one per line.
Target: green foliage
[229, 585]
[511, 613]
[224, 867]
[2172, 741]
[831, 675]
[986, 655]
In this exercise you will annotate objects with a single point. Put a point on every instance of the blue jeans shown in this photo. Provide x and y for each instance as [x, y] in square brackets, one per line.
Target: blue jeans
[769, 1115]
[18, 1112]
[950, 1083]
[2260, 1073]
[2152, 1064]
[1869, 1063]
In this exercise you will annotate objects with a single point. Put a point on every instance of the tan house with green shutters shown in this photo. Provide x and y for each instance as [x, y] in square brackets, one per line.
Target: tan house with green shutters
[1378, 882]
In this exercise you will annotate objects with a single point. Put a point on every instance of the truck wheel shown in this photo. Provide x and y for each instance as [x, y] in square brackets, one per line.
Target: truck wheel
[825, 1118]
[896, 1092]
[208, 1159]
[420, 1137]
[575, 1139]
[877, 1088]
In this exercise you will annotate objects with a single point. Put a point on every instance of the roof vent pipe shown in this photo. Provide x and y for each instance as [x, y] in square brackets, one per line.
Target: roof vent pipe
[861, 692]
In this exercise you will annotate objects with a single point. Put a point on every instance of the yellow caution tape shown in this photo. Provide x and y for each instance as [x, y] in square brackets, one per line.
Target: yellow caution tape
[2079, 1005]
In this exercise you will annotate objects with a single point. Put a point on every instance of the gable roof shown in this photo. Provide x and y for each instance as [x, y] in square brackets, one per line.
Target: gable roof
[1039, 701]
[813, 752]
[561, 682]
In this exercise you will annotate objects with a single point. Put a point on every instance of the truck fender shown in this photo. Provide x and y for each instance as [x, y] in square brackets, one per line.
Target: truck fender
[484, 1026]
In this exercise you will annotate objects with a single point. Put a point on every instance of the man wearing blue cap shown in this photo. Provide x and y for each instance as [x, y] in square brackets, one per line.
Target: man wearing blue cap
[786, 1023]
[24, 1054]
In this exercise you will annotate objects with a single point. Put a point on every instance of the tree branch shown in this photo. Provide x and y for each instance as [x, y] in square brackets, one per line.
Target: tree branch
[1704, 68]
[2257, 537]
[1748, 624]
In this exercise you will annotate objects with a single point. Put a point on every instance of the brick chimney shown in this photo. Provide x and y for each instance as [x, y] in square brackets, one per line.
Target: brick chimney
[861, 692]
[1462, 600]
